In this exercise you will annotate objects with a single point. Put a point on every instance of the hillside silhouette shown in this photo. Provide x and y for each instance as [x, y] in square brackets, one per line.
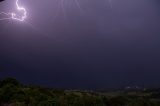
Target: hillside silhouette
[13, 93]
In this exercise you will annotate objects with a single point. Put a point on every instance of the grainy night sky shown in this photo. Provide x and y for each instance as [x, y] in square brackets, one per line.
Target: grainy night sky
[90, 44]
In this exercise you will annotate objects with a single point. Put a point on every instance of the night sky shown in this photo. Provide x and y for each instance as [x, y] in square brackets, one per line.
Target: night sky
[83, 44]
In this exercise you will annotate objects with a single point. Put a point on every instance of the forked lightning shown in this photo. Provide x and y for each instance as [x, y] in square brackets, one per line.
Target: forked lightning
[14, 16]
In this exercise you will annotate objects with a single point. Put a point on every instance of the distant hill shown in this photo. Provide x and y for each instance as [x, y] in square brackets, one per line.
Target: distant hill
[13, 93]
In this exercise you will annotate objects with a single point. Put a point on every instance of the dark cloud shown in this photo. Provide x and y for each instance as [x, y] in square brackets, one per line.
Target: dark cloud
[92, 44]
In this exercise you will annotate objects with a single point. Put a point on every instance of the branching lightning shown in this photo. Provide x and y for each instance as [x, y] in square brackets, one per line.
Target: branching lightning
[22, 9]
[13, 15]
[19, 15]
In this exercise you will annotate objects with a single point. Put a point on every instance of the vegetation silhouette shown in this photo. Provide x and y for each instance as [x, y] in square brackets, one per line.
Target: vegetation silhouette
[13, 93]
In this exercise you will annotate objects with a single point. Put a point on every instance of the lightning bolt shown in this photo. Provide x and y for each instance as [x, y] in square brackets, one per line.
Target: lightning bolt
[13, 15]
[22, 9]
[17, 17]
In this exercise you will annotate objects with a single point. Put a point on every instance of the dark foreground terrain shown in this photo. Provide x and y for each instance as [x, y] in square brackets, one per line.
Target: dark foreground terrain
[12, 93]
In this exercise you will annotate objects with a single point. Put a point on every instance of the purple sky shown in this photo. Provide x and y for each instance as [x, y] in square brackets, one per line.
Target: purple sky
[84, 44]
